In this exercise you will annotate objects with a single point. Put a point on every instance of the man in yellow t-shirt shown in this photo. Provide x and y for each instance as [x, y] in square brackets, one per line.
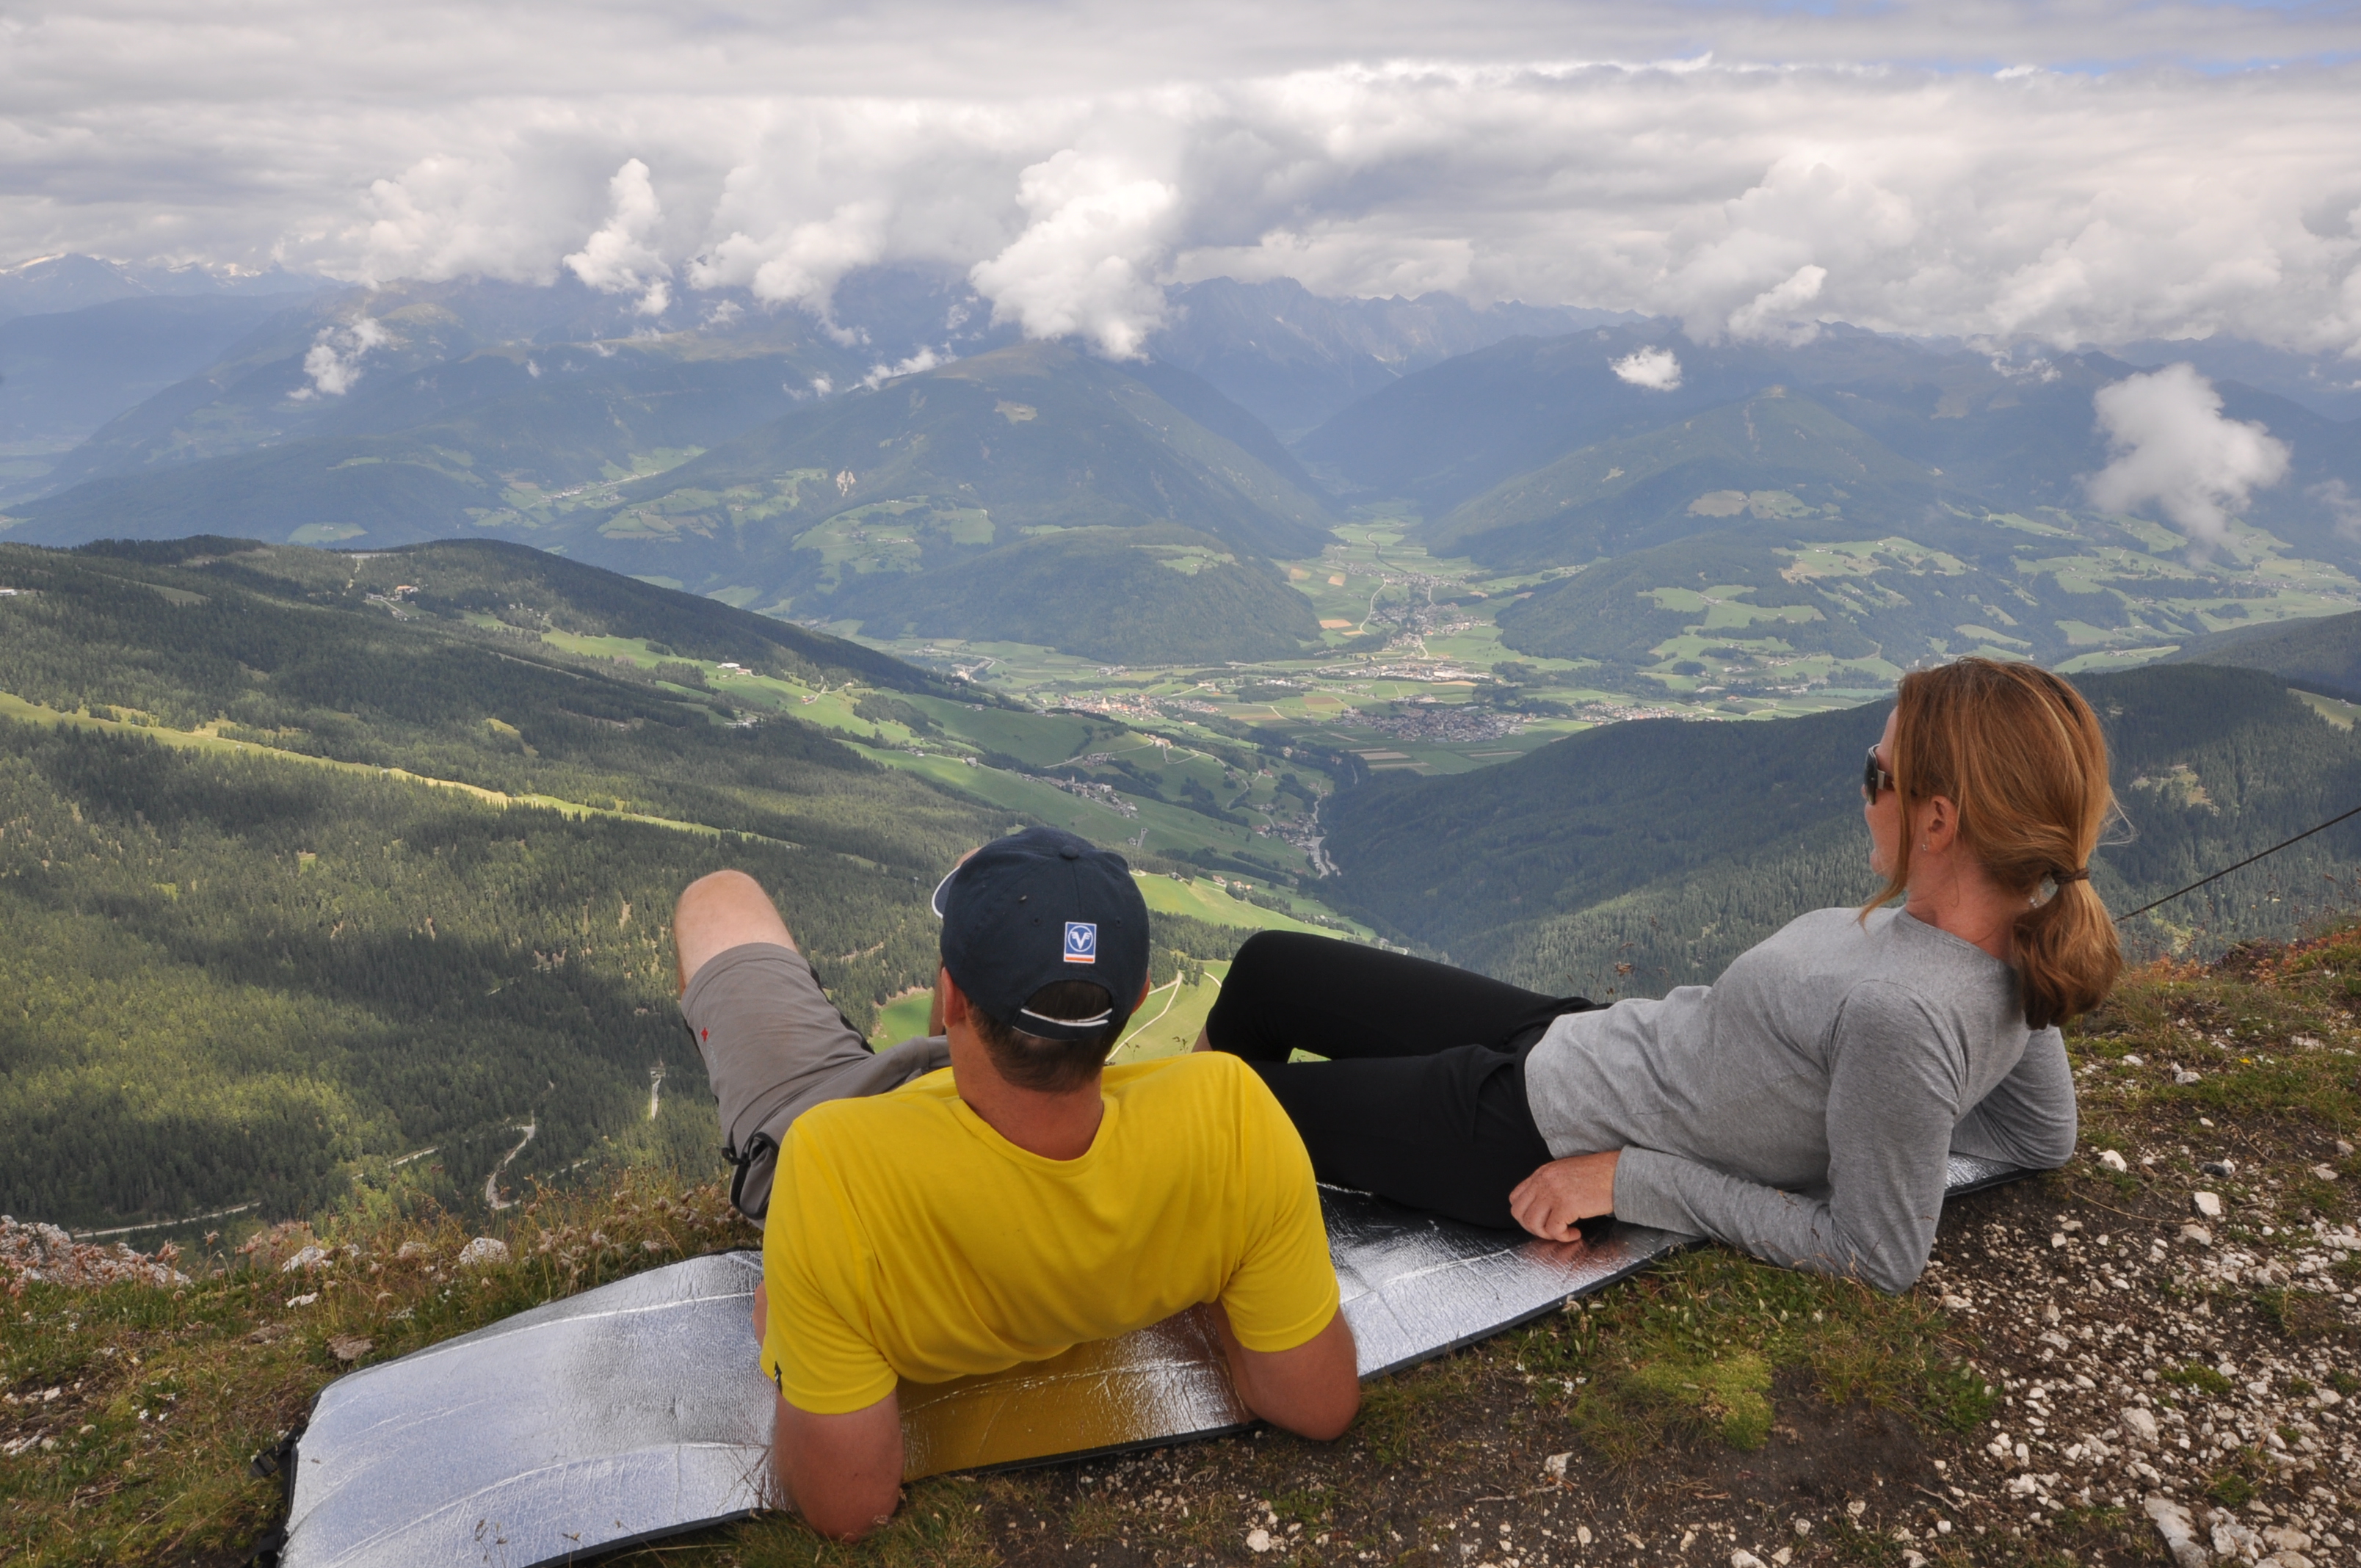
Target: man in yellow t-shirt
[928, 1223]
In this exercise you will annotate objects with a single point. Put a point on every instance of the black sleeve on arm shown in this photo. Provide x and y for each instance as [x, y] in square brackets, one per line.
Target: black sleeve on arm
[1894, 1086]
[2029, 1120]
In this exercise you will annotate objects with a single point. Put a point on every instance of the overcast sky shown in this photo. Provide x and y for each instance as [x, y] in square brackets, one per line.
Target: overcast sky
[2088, 171]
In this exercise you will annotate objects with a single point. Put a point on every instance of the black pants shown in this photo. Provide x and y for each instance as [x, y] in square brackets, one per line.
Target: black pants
[1423, 1098]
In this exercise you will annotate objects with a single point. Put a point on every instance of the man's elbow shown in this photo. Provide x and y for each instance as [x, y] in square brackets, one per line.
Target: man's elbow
[842, 1473]
[1327, 1416]
[841, 1512]
[1314, 1390]
[847, 1526]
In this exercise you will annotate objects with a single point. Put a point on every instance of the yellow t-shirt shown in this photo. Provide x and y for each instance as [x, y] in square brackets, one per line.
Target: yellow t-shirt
[907, 1239]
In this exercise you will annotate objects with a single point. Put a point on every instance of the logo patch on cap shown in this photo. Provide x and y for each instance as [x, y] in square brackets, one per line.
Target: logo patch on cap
[1081, 942]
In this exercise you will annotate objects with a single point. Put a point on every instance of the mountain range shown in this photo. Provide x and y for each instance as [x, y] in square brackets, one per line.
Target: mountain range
[1643, 512]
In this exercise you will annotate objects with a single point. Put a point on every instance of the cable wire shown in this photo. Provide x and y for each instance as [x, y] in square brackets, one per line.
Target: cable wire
[2249, 860]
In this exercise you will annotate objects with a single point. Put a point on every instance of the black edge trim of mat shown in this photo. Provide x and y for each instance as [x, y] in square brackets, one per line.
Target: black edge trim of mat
[1986, 1184]
[600, 1552]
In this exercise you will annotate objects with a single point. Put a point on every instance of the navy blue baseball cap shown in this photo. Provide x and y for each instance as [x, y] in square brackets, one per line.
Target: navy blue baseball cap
[1037, 908]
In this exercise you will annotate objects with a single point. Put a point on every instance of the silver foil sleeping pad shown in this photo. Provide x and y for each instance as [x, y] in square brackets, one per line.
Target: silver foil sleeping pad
[634, 1411]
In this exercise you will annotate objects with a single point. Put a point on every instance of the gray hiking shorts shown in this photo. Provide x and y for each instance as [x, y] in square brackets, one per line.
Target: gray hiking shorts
[775, 1046]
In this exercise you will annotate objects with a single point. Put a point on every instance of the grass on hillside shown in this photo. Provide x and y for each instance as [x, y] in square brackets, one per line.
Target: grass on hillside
[1705, 1401]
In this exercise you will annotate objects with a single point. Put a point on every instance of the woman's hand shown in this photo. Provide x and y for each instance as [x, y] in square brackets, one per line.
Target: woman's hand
[1550, 1201]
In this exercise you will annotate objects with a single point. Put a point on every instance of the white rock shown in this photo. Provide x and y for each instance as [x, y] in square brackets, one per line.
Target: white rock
[1258, 1540]
[2231, 1538]
[2139, 1424]
[1741, 1557]
[310, 1257]
[2112, 1160]
[412, 1249]
[302, 1301]
[2207, 1204]
[2281, 1537]
[2198, 1234]
[2172, 1522]
[2134, 1061]
[483, 1250]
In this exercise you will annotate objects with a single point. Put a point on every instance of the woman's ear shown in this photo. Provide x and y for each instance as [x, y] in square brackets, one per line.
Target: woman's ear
[1938, 824]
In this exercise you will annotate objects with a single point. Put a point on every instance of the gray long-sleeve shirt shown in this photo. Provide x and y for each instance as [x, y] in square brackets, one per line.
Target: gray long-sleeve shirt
[1804, 1108]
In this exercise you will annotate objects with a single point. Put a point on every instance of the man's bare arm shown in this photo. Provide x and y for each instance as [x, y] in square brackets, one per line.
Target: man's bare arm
[843, 1474]
[1312, 1391]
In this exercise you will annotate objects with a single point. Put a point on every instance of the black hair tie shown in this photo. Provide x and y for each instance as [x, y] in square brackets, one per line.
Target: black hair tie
[2062, 878]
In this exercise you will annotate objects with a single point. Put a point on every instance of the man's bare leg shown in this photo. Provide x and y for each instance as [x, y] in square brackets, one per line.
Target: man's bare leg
[717, 913]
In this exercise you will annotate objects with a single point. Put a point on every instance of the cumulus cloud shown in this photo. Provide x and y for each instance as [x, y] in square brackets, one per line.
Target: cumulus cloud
[620, 259]
[1776, 314]
[2172, 448]
[1085, 264]
[334, 361]
[2337, 499]
[925, 359]
[1656, 369]
[1752, 175]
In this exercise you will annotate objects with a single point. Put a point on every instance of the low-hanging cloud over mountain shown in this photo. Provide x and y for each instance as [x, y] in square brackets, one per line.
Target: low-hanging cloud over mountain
[2172, 448]
[1782, 170]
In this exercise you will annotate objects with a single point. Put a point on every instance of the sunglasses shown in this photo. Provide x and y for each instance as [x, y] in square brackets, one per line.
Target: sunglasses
[1874, 779]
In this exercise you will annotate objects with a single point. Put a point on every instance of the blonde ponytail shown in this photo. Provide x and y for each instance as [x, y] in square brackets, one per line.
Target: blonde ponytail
[2020, 755]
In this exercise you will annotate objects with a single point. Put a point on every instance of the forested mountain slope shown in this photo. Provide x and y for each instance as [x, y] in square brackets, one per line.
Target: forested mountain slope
[1669, 847]
[1502, 443]
[1770, 454]
[1295, 358]
[64, 374]
[1031, 493]
[2319, 655]
[256, 957]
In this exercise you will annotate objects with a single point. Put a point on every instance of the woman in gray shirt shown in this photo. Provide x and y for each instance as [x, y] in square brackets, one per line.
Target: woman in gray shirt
[1804, 1107]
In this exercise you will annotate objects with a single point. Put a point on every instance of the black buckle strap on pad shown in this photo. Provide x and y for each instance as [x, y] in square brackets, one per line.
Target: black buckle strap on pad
[277, 1459]
[758, 1145]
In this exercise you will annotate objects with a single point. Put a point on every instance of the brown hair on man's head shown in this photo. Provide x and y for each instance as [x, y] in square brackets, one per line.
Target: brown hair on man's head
[1051, 1067]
